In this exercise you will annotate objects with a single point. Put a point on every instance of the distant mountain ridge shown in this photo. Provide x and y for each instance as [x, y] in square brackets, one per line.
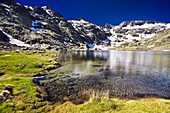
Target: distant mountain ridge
[126, 32]
[160, 42]
[42, 28]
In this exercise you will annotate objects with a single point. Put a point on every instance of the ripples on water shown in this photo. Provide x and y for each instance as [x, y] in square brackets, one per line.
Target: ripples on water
[120, 73]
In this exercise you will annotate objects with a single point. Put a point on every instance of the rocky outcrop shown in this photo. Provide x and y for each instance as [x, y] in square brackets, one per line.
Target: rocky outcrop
[91, 33]
[3, 37]
[6, 93]
[38, 26]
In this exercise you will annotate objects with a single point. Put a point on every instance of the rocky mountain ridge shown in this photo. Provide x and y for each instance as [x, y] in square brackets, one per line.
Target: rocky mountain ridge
[136, 31]
[126, 32]
[39, 27]
[160, 42]
[42, 28]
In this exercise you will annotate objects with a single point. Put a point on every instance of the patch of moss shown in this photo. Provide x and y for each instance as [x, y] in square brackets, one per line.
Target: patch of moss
[27, 97]
[50, 67]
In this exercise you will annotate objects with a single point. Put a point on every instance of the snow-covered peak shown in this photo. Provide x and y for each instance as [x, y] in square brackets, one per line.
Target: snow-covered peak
[48, 10]
[83, 21]
[29, 7]
[91, 33]
[79, 22]
[46, 7]
[85, 24]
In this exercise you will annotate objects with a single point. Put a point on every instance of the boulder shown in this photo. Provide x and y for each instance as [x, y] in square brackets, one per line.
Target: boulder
[6, 93]
[3, 37]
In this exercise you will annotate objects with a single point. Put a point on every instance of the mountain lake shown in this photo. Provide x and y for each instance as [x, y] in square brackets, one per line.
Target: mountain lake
[124, 74]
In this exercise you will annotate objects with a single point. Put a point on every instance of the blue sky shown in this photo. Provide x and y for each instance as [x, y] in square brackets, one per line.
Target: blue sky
[108, 11]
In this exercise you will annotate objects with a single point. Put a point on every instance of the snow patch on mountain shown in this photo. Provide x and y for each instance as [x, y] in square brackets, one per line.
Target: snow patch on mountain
[168, 26]
[7, 8]
[134, 31]
[77, 23]
[144, 26]
[29, 7]
[4, 5]
[48, 11]
[15, 41]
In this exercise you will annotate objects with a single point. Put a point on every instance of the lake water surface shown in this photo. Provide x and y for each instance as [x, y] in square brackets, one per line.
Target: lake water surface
[117, 73]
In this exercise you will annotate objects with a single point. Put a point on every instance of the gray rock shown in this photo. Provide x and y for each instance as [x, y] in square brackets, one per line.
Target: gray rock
[6, 93]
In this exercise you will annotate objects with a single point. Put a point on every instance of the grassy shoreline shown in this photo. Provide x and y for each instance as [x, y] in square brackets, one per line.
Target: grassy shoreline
[26, 63]
[18, 70]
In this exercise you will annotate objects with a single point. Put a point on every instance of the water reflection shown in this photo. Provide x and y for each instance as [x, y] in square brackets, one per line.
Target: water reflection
[123, 73]
[122, 61]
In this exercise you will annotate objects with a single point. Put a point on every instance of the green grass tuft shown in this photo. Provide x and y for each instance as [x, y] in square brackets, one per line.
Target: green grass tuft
[20, 63]
[27, 97]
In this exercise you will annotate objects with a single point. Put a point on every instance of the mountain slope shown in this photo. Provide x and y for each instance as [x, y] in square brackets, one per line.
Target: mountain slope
[160, 42]
[42, 28]
[38, 26]
[135, 31]
[126, 32]
[92, 33]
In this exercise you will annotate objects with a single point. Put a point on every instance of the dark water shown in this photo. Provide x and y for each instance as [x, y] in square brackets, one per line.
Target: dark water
[111, 73]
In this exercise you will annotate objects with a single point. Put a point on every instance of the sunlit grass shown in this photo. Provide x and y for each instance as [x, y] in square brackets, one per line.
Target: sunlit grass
[111, 105]
[27, 97]
[20, 63]
[100, 102]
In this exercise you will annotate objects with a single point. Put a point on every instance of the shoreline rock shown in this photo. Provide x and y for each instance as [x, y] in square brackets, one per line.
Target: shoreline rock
[6, 93]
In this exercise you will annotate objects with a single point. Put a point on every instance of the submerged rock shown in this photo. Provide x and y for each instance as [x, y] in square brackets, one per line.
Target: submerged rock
[79, 89]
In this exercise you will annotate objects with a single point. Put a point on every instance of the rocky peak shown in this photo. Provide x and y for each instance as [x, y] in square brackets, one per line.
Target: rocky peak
[137, 22]
[108, 26]
[92, 33]
[123, 24]
[8, 2]
[46, 7]
[143, 23]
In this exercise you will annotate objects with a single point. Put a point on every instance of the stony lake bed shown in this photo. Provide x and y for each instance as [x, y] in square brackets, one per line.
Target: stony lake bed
[124, 74]
[114, 78]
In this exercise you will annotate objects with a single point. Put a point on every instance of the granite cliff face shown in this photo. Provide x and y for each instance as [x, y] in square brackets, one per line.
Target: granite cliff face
[93, 34]
[42, 28]
[39, 27]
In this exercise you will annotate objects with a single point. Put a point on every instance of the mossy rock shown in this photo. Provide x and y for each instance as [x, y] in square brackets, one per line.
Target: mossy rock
[51, 67]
